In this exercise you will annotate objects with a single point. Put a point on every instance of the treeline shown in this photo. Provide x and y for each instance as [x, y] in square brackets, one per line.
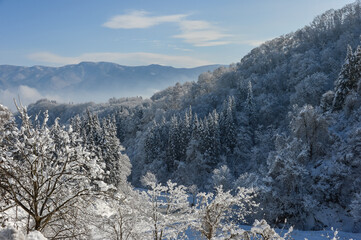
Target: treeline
[70, 183]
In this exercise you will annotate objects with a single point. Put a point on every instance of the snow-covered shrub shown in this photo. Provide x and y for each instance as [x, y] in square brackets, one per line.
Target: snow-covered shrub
[262, 230]
[119, 217]
[166, 208]
[218, 214]
[35, 235]
[222, 177]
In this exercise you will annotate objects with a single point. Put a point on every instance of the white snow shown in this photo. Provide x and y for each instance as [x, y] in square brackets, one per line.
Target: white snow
[322, 235]
[35, 235]
[11, 233]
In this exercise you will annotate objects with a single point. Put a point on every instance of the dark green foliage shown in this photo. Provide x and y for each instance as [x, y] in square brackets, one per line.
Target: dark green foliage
[101, 139]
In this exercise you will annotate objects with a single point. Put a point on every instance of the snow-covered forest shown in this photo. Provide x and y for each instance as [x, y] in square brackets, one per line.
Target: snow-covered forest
[273, 141]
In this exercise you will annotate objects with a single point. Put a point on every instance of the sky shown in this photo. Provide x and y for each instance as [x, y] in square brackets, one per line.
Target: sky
[186, 33]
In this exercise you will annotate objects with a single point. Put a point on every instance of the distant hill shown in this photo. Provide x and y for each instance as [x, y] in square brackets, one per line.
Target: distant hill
[89, 81]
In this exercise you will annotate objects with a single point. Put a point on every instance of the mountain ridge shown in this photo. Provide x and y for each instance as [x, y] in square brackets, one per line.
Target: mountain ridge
[93, 81]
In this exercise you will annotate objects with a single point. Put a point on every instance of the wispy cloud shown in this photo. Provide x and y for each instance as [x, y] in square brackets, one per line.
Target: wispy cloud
[201, 34]
[195, 32]
[134, 59]
[181, 49]
[140, 19]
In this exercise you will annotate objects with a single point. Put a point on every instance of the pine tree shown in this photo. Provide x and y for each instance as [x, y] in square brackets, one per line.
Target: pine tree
[197, 128]
[348, 78]
[185, 133]
[150, 144]
[174, 144]
[76, 123]
[101, 139]
[250, 105]
[250, 111]
[227, 126]
[211, 140]
[92, 133]
[117, 164]
[120, 124]
[195, 169]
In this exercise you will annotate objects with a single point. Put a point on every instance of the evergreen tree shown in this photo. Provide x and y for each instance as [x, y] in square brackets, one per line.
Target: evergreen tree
[174, 151]
[211, 140]
[348, 78]
[116, 163]
[76, 123]
[101, 139]
[250, 105]
[250, 122]
[92, 133]
[185, 133]
[227, 126]
[121, 125]
[197, 128]
[150, 144]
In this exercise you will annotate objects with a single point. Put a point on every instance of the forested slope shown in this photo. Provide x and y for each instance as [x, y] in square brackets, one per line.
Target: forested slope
[268, 122]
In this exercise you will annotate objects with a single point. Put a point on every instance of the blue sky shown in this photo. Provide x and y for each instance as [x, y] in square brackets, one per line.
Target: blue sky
[141, 32]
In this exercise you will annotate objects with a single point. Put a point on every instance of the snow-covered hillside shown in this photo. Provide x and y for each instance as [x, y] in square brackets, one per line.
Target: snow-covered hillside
[272, 141]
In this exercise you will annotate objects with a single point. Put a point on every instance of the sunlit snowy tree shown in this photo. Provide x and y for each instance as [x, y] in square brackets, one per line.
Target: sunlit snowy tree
[166, 207]
[219, 213]
[48, 174]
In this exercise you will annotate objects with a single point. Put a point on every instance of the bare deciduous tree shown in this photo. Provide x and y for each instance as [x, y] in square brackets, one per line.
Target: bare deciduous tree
[48, 174]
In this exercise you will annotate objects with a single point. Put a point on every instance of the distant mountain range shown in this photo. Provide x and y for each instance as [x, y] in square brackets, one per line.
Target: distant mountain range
[89, 81]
